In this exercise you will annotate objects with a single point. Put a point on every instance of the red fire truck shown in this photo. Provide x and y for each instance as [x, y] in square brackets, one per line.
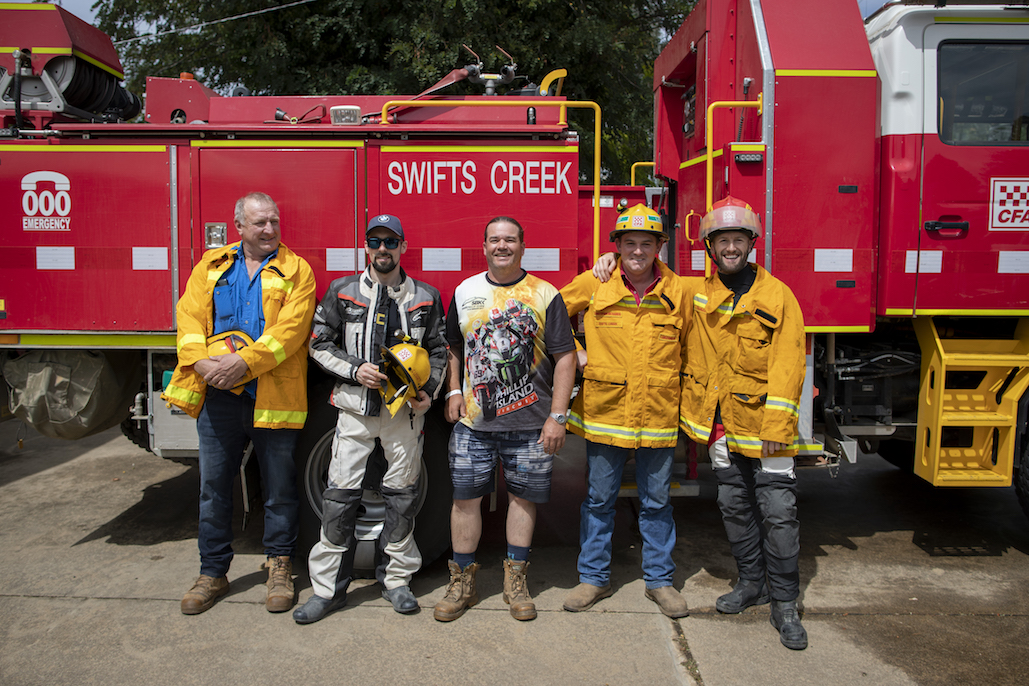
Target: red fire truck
[102, 221]
[887, 158]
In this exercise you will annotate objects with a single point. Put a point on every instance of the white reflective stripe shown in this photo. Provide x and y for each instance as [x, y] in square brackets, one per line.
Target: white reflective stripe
[782, 404]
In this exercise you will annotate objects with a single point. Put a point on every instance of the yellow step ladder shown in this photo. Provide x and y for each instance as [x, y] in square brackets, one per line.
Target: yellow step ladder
[968, 406]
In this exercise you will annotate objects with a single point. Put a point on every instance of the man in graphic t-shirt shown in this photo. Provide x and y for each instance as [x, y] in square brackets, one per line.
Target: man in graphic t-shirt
[509, 400]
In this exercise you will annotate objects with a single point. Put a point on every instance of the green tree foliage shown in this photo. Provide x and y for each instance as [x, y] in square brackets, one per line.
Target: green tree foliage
[401, 47]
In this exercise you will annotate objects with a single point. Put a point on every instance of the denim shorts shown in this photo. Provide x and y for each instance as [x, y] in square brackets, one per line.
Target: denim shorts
[473, 457]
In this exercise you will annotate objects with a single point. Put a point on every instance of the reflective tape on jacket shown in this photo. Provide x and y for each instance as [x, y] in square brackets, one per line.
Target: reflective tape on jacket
[596, 431]
[273, 345]
[783, 405]
[183, 394]
[291, 419]
[190, 339]
[273, 281]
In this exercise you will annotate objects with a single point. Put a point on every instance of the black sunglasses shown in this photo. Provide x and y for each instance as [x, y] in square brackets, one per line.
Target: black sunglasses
[391, 243]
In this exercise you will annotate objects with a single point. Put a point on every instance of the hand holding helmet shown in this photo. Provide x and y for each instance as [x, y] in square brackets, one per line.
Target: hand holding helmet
[406, 367]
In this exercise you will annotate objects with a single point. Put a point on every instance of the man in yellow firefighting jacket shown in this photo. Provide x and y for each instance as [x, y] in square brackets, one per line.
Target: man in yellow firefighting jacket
[740, 395]
[252, 302]
[636, 326]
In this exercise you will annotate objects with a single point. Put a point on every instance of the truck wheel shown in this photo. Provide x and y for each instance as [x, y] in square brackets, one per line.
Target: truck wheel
[1022, 487]
[1021, 479]
[136, 432]
[432, 523]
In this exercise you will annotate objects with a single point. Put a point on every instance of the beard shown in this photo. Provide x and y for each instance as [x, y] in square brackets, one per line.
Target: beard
[725, 268]
[384, 264]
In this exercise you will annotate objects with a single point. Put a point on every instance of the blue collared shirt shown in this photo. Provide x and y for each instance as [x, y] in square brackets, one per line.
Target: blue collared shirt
[237, 302]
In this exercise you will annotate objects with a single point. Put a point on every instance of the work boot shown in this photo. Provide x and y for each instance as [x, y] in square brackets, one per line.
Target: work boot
[670, 601]
[205, 591]
[281, 595]
[317, 608]
[402, 599]
[746, 593]
[460, 595]
[585, 595]
[516, 590]
[786, 618]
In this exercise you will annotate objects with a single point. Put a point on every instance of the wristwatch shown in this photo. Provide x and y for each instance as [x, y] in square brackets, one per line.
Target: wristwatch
[559, 418]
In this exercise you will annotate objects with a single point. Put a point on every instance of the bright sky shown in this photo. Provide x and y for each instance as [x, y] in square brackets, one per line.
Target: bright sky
[83, 9]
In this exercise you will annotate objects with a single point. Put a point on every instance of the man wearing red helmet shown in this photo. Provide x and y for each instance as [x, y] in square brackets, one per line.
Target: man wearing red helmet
[741, 389]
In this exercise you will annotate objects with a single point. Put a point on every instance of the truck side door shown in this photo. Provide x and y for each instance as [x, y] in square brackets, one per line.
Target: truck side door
[973, 248]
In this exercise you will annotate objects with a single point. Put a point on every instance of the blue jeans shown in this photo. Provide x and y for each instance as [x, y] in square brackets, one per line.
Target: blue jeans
[597, 518]
[225, 425]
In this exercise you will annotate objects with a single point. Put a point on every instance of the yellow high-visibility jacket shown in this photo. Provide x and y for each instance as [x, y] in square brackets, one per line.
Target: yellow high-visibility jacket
[630, 392]
[747, 360]
[278, 359]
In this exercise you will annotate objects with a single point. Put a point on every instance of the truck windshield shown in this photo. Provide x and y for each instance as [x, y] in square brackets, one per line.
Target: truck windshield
[984, 92]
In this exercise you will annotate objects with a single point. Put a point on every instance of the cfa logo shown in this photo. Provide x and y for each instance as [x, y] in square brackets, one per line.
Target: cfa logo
[45, 209]
[1009, 204]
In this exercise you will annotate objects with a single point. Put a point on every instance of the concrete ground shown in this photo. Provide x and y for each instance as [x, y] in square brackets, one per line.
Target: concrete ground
[901, 583]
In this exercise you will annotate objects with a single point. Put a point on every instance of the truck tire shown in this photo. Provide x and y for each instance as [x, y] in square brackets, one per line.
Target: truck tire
[136, 432]
[1021, 478]
[1022, 486]
[313, 454]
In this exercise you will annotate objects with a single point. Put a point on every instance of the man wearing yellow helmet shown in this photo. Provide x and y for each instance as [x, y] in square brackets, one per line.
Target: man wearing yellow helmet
[379, 314]
[636, 326]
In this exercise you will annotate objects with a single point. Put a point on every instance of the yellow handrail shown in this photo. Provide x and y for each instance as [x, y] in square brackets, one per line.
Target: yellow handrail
[556, 75]
[710, 162]
[632, 173]
[562, 115]
[709, 125]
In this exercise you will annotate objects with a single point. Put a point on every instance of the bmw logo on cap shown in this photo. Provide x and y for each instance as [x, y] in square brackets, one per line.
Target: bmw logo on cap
[386, 221]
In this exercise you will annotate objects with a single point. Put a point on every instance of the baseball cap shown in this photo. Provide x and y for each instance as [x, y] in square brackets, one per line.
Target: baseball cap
[387, 221]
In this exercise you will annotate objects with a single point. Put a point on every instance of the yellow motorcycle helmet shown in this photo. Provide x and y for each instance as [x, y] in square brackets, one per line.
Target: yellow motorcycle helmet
[406, 366]
[228, 342]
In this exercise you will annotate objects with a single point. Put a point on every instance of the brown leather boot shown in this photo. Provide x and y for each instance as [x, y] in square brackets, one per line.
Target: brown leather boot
[583, 596]
[460, 595]
[281, 595]
[205, 591]
[670, 601]
[516, 590]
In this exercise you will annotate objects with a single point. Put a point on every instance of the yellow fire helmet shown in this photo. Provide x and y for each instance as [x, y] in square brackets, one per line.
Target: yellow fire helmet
[639, 217]
[407, 367]
[230, 342]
